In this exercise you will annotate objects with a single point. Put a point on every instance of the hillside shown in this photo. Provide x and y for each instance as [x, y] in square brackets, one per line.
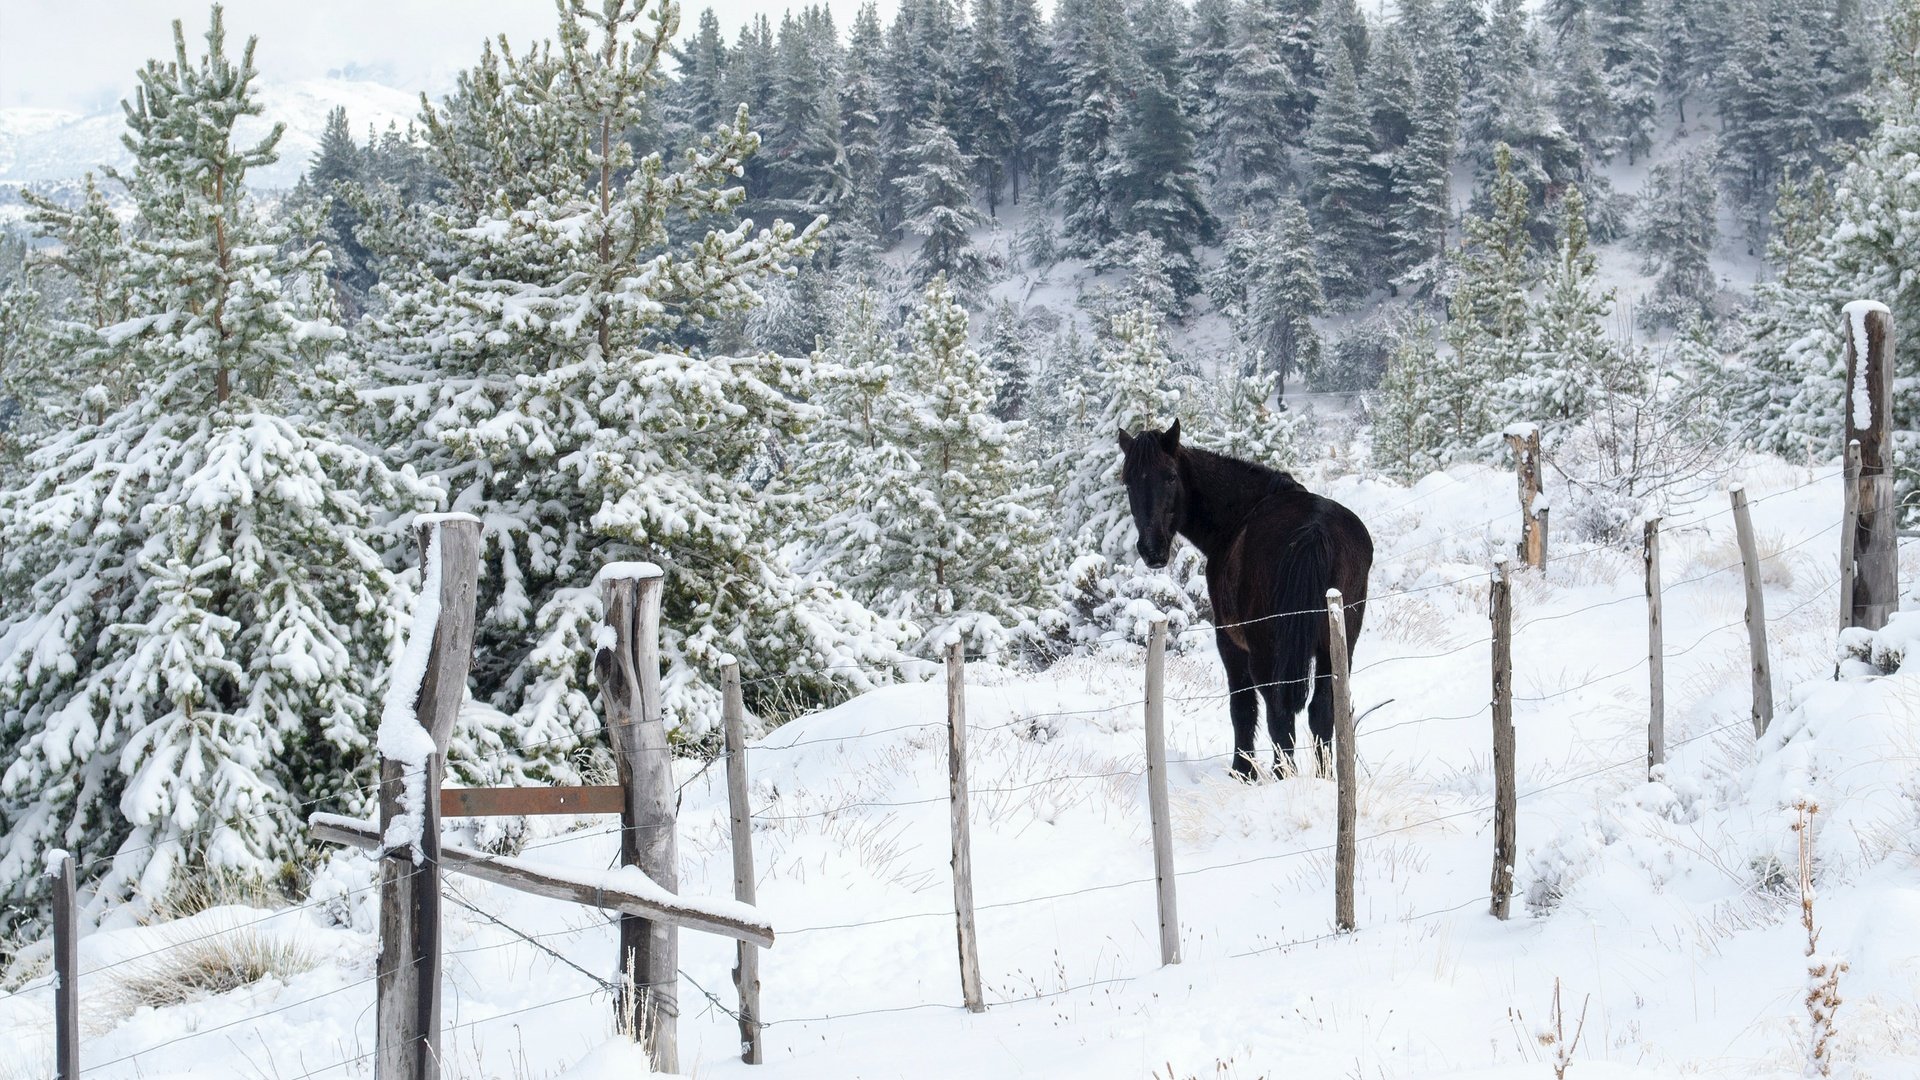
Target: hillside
[1661, 908]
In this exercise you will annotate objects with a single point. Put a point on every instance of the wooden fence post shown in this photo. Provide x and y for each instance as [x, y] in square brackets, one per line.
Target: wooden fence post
[962, 833]
[1156, 738]
[407, 1043]
[66, 967]
[648, 1008]
[1345, 773]
[1868, 331]
[1756, 612]
[1524, 439]
[746, 972]
[1504, 786]
[1656, 652]
[1849, 529]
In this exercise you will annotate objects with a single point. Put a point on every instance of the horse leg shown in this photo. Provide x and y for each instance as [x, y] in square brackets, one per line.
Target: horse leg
[1240, 704]
[1268, 678]
[1320, 712]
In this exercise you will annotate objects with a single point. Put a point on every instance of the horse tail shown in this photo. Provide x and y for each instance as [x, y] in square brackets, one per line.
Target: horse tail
[1305, 571]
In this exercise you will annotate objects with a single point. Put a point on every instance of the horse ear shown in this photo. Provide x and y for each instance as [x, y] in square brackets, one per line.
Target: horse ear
[1172, 438]
[1126, 441]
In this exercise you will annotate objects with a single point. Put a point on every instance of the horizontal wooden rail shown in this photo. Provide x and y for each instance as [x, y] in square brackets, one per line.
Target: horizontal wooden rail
[625, 890]
[529, 801]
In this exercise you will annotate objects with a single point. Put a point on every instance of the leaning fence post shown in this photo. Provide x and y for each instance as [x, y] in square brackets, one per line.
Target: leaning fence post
[1876, 562]
[1156, 736]
[1347, 798]
[1756, 612]
[648, 1006]
[1524, 439]
[746, 972]
[1656, 652]
[1504, 786]
[407, 1043]
[962, 834]
[66, 967]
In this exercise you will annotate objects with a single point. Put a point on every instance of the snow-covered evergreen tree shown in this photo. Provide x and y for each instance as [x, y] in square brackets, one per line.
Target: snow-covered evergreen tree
[551, 363]
[946, 531]
[1157, 185]
[1487, 314]
[1412, 432]
[1571, 358]
[939, 205]
[1007, 355]
[1677, 232]
[1420, 206]
[1349, 183]
[199, 613]
[1090, 37]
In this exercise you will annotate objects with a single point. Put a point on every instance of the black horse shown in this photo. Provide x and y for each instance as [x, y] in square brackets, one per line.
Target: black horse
[1273, 549]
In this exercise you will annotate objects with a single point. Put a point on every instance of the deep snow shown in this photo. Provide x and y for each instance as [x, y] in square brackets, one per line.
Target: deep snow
[1664, 906]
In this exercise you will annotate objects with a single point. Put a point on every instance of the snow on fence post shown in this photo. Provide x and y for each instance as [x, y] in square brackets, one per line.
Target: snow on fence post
[1157, 808]
[1868, 331]
[1849, 526]
[1347, 800]
[416, 720]
[1524, 439]
[1504, 786]
[628, 665]
[962, 833]
[1756, 612]
[746, 972]
[66, 967]
[1656, 652]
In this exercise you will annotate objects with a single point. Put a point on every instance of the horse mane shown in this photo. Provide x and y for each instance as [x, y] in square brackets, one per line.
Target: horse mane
[1239, 474]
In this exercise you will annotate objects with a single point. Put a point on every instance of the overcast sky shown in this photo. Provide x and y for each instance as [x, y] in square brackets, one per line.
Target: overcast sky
[66, 55]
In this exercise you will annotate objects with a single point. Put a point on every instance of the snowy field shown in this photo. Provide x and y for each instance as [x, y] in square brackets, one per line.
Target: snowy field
[1668, 909]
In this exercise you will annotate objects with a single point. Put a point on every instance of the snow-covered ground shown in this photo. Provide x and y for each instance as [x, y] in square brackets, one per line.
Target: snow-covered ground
[1667, 910]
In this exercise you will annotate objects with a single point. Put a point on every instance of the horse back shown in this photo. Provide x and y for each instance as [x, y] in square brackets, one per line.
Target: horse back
[1242, 585]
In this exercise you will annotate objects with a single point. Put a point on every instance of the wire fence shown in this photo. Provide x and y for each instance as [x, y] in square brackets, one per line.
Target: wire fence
[1030, 723]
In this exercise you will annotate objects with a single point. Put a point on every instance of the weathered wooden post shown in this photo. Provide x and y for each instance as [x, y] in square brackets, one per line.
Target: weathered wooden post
[1524, 440]
[66, 967]
[962, 831]
[1849, 525]
[1505, 798]
[1869, 337]
[746, 972]
[1756, 612]
[1656, 652]
[1157, 807]
[1345, 773]
[415, 723]
[629, 669]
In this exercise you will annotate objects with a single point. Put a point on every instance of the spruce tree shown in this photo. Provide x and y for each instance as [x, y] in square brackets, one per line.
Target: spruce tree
[1420, 204]
[1581, 97]
[1487, 315]
[1571, 359]
[1625, 31]
[1157, 186]
[1007, 355]
[203, 613]
[1032, 105]
[863, 222]
[1090, 40]
[1251, 124]
[807, 172]
[1412, 434]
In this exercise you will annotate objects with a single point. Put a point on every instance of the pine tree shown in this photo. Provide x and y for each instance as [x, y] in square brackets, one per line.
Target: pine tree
[992, 138]
[862, 224]
[951, 537]
[203, 609]
[1032, 105]
[1156, 185]
[1420, 205]
[806, 172]
[1677, 234]
[1007, 349]
[1487, 315]
[1090, 37]
[1571, 358]
[1247, 424]
[1349, 186]
[701, 90]
[1411, 436]
[939, 203]
[1625, 32]
[1787, 386]
[1269, 287]
[1581, 97]
[1250, 126]
[560, 373]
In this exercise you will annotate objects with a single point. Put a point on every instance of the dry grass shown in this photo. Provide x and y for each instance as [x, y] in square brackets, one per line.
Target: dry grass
[200, 967]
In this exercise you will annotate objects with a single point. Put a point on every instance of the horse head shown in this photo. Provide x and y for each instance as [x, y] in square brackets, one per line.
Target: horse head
[1154, 489]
